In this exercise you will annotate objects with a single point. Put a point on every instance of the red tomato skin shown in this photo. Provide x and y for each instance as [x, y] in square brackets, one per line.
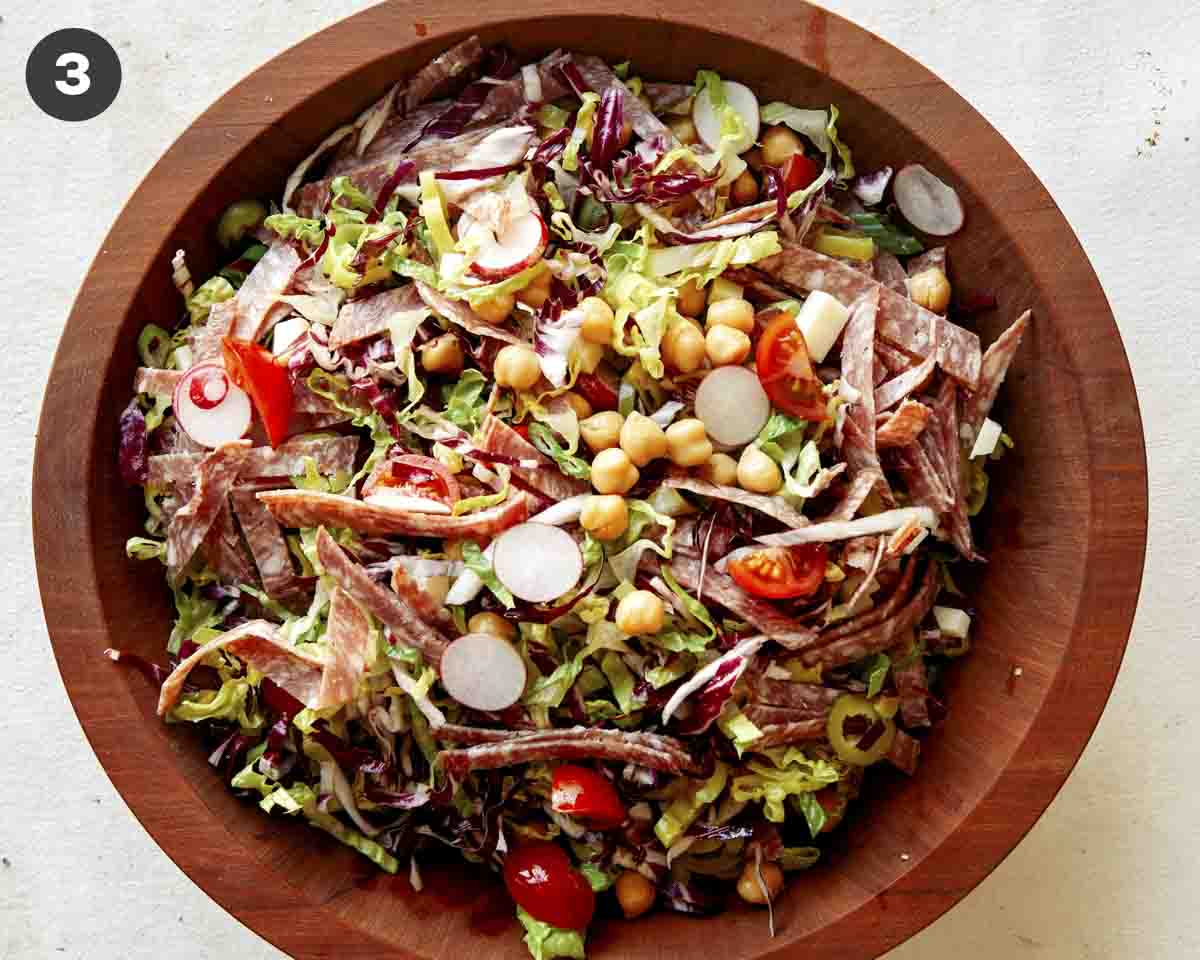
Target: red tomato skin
[778, 346]
[799, 172]
[541, 879]
[583, 793]
[253, 368]
[424, 476]
[803, 576]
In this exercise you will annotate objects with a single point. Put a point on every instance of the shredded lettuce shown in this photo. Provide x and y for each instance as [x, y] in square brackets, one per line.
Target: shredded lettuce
[704, 262]
[464, 401]
[145, 548]
[233, 702]
[622, 681]
[598, 878]
[739, 728]
[693, 606]
[313, 479]
[583, 129]
[546, 942]
[433, 209]
[877, 674]
[814, 813]
[478, 564]
[819, 126]
[632, 545]
[214, 290]
[485, 500]
[551, 690]
[686, 807]
[790, 771]
[543, 438]
[193, 614]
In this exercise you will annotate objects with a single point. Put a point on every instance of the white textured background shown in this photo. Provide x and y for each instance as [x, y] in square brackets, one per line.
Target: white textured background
[1102, 98]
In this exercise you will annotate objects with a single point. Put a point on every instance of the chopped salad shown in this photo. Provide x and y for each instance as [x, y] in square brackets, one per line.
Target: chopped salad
[568, 470]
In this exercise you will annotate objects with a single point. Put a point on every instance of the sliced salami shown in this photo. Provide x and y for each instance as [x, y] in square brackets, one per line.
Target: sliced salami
[267, 544]
[908, 381]
[578, 743]
[904, 425]
[348, 638]
[417, 597]
[206, 340]
[258, 296]
[498, 438]
[901, 322]
[460, 314]
[155, 382]
[905, 753]
[224, 551]
[312, 508]
[912, 686]
[214, 477]
[977, 405]
[855, 496]
[772, 506]
[797, 731]
[811, 699]
[331, 455]
[361, 320]
[922, 479]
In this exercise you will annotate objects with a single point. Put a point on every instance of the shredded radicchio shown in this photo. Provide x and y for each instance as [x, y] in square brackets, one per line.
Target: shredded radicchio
[131, 456]
[607, 127]
[498, 64]
[348, 758]
[554, 336]
[870, 187]
[404, 171]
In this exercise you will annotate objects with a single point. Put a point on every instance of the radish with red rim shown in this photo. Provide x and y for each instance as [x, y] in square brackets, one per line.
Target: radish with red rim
[210, 407]
[519, 245]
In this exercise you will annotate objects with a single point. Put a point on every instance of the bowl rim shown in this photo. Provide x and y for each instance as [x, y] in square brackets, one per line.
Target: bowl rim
[1021, 791]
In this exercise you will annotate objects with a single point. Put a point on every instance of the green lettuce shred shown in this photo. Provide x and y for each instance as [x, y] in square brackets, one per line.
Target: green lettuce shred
[546, 942]
[790, 771]
[478, 564]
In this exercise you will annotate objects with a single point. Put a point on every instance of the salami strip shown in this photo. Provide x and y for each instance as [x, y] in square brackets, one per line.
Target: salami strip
[945, 420]
[224, 551]
[912, 685]
[578, 743]
[457, 733]
[901, 322]
[898, 596]
[417, 597]
[361, 320]
[348, 636]
[257, 297]
[311, 508]
[897, 361]
[922, 479]
[862, 457]
[890, 272]
[908, 381]
[214, 477]
[508, 97]
[904, 425]
[658, 742]
[155, 382]
[485, 148]
[772, 506]
[206, 340]
[498, 438]
[266, 542]
[858, 359]
[257, 644]
[664, 96]
[799, 731]
[811, 699]
[852, 500]
[765, 715]
[877, 638]
[460, 314]
[331, 455]
[392, 611]
[905, 753]
[721, 589]
[396, 133]
[437, 76]
[977, 405]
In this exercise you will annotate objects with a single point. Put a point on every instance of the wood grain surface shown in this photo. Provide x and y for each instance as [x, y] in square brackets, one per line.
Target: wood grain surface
[1065, 534]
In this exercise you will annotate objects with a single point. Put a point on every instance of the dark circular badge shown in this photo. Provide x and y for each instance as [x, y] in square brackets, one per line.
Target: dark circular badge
[73, 74]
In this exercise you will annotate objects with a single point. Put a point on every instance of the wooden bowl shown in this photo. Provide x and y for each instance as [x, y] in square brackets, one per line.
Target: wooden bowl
[1066, 535]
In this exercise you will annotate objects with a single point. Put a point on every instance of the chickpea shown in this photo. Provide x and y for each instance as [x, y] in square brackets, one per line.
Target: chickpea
[437, 587]
[683, 347]
[642, 439]
[588, 355]
[688, 443]
[492, 623]
[753, 158]
[749, 888]
[640, 612]
[720, 469]
[930, 289]
[757, 472]
[684, 130]
[731, 313]
[691, 299]
[495, 310]
[597, 321]
[635, 894]
[579, 404]
[613, 471]
[778, 145]
[538, 291]
[602, 431]
[726, 346]
[517, 366]
[442, 354]
[605, 517]
[744, 190]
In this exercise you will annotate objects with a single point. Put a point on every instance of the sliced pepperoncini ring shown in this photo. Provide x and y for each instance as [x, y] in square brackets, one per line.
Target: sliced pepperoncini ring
[849, 746]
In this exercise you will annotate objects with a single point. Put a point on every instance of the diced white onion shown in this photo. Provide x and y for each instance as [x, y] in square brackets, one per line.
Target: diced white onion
[989, 436]
[821, 319]
[952, 621]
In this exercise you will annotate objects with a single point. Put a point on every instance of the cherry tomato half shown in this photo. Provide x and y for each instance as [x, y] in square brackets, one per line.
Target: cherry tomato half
[421, 477]
[253, 368]
[585, 794]
[541, 879]
[785, 370]
[799, 172]
[781, 572]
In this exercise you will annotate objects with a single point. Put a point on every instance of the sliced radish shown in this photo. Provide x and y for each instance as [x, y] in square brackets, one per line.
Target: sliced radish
[926, 202]
[733, 405]
[537, 562]
[483, 672]
[210, 407]
[708, 120]
[520, 245]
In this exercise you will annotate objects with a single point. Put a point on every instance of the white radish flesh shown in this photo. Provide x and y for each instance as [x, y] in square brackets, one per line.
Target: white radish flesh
[926, 202]
[520, 246]
[210, 407]
[708, 120]
[821, 320]
[989, 436]
[483, 672]
[537, 562]
[733, 405]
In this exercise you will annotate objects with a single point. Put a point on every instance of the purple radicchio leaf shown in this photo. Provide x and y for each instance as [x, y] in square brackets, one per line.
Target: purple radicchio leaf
[131, 452]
